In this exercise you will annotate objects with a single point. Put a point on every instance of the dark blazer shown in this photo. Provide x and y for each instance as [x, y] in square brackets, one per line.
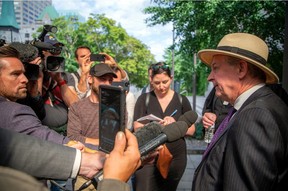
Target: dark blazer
[22, 119]
[39, 158]
[252, 152]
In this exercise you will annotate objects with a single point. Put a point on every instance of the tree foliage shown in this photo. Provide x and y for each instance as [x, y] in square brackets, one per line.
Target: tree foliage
[201, 24]
[103, 34]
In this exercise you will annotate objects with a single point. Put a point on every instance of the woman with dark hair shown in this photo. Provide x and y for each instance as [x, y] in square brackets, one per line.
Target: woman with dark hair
[168, 105]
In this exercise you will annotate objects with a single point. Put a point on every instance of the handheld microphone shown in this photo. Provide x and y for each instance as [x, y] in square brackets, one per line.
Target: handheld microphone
[152, 135]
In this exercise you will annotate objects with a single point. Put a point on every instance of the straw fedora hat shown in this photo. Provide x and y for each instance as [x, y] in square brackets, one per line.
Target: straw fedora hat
[244, 46]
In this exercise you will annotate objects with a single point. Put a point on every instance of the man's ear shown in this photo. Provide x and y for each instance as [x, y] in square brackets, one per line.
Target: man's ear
[242, 69]
[90, 79]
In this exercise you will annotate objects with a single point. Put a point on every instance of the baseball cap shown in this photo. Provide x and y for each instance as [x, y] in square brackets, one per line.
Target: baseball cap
[101, 69]
[52, 40]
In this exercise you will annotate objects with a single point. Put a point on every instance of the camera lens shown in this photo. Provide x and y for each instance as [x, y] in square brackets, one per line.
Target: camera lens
[53, 66]
[53, 63]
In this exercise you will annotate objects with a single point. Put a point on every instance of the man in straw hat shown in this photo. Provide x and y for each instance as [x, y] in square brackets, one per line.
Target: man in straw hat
[249, 150]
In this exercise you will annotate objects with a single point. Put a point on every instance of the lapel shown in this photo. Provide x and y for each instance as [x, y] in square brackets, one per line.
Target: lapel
[255, 96]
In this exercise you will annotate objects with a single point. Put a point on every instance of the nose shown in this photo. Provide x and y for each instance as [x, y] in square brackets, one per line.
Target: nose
[210, 77]
[24, 79]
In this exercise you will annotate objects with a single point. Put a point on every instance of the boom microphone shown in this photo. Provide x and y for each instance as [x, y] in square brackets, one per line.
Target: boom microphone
[152, 135]
[27, 52]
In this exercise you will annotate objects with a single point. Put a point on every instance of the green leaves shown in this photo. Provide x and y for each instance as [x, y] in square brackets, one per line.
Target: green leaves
[201, 24]
[102, 34]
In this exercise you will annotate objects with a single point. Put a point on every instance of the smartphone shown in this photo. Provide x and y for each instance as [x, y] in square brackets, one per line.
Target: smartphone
[111, 115]
[97, 57]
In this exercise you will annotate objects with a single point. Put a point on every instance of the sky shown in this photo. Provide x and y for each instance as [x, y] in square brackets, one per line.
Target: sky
[129, 13]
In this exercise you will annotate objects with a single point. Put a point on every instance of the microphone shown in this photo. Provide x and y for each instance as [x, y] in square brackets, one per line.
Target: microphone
[170, 133]
[27, 52]
[152, 135]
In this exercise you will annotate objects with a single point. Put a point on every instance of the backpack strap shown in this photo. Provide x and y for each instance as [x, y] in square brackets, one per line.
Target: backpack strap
[147, 100]
[77, 75]
[180, 98]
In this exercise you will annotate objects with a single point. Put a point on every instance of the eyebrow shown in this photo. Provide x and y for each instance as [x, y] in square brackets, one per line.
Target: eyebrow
[17, 71]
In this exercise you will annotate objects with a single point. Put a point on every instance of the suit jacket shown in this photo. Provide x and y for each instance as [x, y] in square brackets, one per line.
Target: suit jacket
[36, 157]
[252, 152]
[113, 185]
[22, 119]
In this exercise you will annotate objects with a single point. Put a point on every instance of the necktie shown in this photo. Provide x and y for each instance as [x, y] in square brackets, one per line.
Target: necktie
[220, 129]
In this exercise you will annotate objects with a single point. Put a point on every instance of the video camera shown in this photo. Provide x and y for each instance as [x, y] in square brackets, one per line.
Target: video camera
[52, 63]
[30, 50]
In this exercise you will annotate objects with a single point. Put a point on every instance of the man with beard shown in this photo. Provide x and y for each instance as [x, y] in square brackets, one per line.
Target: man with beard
[13, 86]
[83, 123]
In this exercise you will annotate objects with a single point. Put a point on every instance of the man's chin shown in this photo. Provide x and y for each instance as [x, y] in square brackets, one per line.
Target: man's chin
[22, 95]
[218, 93]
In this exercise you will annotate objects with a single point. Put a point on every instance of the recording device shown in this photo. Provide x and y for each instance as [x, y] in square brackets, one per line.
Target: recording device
[125, 84]
[31, 71]
[55, 64]
[111, 115]
[152, 135]
[27, 53]
[97, 57]
[46, 29]
[41, 45]
[169, 133]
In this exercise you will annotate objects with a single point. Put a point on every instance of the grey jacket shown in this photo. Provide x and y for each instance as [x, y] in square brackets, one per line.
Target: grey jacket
[22, 119]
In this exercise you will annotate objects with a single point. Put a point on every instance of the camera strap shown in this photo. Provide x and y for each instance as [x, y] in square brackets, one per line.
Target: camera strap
[50, 92]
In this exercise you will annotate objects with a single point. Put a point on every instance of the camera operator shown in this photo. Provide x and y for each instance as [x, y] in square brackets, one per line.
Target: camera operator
[31, 60]
[56, 92]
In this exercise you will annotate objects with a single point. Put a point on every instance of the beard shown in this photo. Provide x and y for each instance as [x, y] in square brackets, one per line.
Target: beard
[95, 90]
[20, 94]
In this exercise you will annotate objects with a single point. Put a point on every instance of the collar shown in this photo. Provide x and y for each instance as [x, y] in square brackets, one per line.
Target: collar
[245, 95]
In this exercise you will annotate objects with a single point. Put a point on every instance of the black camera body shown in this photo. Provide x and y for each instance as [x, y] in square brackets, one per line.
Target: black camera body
[52, 63]
[31, 71]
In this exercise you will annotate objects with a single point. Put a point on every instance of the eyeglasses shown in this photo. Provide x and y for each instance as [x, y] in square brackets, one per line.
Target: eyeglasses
[157, 67]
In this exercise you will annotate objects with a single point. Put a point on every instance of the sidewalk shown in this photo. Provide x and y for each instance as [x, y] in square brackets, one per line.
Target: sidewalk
[195, 149]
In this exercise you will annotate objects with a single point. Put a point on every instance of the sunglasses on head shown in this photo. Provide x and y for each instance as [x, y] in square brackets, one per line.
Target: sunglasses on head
[157, 67]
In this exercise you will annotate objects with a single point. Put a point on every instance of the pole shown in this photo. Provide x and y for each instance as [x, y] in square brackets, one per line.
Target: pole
[194, 83]
[172, 71]
[285, 56]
